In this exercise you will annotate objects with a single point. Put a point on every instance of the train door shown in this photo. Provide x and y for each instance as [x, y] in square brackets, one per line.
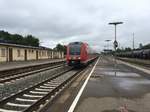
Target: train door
[25, 55]
[37, 55]
[10, 54]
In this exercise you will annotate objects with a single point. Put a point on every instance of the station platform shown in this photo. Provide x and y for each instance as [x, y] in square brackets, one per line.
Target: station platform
[144, 63]
[115, 88]
[19, 64]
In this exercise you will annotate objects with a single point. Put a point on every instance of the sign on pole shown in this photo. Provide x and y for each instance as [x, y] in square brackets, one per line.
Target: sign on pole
[115, 44]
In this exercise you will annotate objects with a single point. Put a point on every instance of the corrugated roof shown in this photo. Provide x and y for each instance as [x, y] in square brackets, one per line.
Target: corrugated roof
[23, 46]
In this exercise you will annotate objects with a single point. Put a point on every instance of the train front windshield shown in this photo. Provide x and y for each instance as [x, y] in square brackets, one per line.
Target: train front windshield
[74, 49]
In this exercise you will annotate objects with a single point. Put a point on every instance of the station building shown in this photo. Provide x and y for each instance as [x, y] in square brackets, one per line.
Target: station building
[14, 52]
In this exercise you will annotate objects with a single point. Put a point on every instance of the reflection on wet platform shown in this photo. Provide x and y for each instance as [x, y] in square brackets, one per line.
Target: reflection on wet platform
[111, 87]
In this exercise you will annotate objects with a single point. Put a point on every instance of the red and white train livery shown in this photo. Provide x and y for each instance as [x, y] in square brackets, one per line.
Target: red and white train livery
[79, 53]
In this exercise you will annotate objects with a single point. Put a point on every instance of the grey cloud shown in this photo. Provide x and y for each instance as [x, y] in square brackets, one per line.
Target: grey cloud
[77, 20]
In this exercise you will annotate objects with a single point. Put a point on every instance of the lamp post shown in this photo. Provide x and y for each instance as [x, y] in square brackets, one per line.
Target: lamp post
[107, 44]
[115, 41]
[115, 24]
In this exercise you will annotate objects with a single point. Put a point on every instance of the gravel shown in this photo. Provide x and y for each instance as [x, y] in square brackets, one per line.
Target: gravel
[11, 88]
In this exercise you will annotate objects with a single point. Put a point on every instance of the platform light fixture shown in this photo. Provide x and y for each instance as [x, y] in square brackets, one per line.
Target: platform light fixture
[107, 43]
[115, 24]
[115, 41]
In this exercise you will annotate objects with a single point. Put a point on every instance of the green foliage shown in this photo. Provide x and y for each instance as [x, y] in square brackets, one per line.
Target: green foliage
[60, 47]
[140, 46]
[124, 50]
[28, 40]
[146, 46]
[31, 41]
[118, 50]
[128, 49]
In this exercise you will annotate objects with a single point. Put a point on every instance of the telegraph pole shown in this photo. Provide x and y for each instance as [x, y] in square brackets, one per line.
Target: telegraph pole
[133, 41]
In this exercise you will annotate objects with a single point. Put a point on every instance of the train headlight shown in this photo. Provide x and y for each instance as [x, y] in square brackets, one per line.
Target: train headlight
[79, 58]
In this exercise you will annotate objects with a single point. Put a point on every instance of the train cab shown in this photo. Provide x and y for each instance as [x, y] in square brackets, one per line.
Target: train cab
[77, 53]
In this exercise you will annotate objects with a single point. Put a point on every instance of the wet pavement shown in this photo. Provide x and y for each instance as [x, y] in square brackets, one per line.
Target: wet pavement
[115, 89]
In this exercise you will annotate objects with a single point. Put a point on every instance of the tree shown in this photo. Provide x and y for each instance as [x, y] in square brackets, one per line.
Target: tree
[128, 49]
[118, 50]
[28, 40]
[146, 46]
[140, 46]
[60, 47]
[31, 40]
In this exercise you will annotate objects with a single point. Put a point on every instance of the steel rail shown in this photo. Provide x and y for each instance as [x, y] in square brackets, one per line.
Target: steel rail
[6, 101]
[21, 75]
[18, 70]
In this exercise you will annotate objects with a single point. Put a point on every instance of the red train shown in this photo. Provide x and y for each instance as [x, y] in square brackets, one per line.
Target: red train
[79, 53]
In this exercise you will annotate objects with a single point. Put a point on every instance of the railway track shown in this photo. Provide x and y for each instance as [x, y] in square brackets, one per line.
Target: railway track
[14, 71]
[22, 75]
[11, 77]
[32, 98]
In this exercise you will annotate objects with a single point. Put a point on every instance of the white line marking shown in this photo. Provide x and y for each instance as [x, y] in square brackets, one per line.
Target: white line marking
[73, 105]
[136, 67]
[5, 110]
[17, 105]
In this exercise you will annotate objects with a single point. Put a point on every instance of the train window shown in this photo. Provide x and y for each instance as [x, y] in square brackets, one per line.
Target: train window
[3, 52]
[74, 49]
[19, 53]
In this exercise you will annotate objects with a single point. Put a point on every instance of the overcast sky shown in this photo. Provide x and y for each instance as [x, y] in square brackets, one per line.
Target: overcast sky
[64, 21]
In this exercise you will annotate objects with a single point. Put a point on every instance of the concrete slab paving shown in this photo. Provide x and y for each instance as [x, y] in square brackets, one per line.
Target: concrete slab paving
[115, 88]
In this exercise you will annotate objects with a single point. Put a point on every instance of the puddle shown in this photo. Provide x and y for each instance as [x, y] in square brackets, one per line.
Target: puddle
[112, 86]
[106, 69]
[121, 74]
[133, 83]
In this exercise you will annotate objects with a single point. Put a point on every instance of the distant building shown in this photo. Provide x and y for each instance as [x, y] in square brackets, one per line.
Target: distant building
[15, 52]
